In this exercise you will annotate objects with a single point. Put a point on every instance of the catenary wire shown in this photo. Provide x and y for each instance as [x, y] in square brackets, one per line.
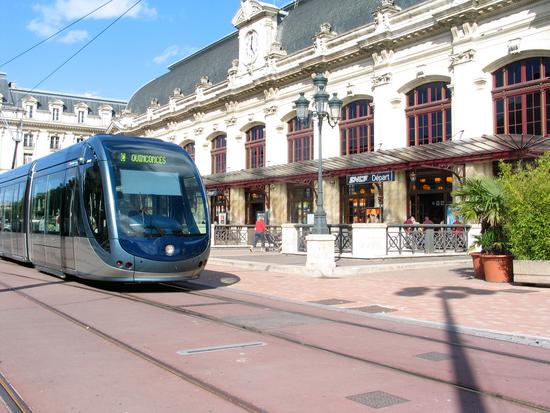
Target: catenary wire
[83, 47]
[54, 34]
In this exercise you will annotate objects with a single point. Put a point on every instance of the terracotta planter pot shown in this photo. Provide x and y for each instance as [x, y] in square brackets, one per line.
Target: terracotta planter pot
[497, 268]
[478, 265]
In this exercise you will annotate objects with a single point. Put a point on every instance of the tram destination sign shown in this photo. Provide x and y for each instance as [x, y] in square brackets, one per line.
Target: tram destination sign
[142, 158]
[371, 178]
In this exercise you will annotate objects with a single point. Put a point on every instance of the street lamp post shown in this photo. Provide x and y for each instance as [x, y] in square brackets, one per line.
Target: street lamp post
[325, 108]
[17, 139]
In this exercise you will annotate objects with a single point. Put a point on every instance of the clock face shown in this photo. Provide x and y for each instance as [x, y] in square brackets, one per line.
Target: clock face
[251, 45]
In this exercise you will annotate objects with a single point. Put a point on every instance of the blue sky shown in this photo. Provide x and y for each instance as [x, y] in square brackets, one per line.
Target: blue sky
[136, 49]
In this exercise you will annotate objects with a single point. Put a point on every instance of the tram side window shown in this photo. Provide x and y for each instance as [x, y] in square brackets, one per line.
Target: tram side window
[95, 205]
[53, 202]
[7, 217]
[69, 227]
[197, 218]
[38, 213]
[18, 201]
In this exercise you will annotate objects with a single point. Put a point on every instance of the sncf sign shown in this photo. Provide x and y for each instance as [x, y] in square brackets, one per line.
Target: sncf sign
[371, 178]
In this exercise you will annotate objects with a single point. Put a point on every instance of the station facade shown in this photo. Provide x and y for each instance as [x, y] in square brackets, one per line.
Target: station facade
[433, 91]
[35, 123]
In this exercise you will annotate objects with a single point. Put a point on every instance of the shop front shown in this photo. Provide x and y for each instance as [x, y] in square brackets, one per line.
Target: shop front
[363, 197]
[300, 203]
[429, 194]
[255, 204]
[219, 206]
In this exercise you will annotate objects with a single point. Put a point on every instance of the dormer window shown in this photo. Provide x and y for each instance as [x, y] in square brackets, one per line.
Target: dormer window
[80, 116]
[29, 110]
[55, 114]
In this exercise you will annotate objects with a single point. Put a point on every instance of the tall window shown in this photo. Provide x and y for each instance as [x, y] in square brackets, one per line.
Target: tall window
[300, 141]
[255, 147]
[521, 95]
[357, 128]
[80, 116]
[28, 141]
[55, 114]
[27, 158]
[190, 149]
[54, 142]
[429, 114]
[219, 154]
[29, 111]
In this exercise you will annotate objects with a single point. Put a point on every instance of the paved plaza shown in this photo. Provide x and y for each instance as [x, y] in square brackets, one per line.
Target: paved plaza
[433, 291]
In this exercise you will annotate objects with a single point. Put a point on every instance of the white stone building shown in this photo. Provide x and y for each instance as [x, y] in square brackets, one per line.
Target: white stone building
[432, 91]
[45, 122]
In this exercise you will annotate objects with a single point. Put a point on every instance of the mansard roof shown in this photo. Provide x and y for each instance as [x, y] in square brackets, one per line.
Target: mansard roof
[14, 96]
[295, 32]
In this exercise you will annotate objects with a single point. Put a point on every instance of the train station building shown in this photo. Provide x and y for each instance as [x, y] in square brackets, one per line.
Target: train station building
[433, 91]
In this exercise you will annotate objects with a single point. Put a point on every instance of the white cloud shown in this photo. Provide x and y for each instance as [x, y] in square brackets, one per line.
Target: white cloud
[53, 16]
[169, 52]
[173, 51]
[75, 36]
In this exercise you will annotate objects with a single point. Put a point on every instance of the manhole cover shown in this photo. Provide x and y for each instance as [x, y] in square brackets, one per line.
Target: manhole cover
[377, 399]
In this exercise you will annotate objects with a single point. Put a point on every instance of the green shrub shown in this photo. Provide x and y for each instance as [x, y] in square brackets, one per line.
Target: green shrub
[527, 215]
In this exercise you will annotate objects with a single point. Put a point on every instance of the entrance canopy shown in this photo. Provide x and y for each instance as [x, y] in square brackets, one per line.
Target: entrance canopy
[439, 155]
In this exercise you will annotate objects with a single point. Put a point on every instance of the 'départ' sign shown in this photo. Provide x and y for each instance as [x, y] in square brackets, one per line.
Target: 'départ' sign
[371, 178]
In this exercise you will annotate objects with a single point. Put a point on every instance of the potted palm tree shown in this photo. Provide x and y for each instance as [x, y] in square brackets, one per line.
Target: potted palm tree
[482, 199]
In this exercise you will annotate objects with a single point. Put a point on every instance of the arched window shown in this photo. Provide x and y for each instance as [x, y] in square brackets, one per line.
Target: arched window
[357, 128]
[190, 148]
[521, 96]
[300, 141]
[255, 147]
[219, 154]
[429, 114]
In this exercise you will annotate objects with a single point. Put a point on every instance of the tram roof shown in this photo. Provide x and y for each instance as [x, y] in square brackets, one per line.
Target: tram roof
[438, 155]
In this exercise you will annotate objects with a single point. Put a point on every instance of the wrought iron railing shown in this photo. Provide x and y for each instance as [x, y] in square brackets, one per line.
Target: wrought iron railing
[344, 238]
[231, 234]
[426, 238]
[342, 244]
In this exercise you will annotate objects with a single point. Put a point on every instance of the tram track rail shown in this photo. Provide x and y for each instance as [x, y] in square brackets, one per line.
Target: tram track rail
[192, 313]
[11, 398]
[245, 405]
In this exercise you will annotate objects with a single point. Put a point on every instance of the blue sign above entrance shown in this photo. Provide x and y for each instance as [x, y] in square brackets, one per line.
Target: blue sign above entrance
[371, 178]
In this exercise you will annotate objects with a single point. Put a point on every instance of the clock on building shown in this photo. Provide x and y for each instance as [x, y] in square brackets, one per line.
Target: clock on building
[251, 45]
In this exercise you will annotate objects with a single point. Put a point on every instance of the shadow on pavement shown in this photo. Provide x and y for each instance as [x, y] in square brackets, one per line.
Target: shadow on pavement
[464, 375]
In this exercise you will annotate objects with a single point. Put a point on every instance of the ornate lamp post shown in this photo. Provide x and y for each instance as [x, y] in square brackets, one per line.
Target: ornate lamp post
[325, 108]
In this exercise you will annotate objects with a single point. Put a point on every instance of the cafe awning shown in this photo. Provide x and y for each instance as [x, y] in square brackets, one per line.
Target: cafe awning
[436, 155]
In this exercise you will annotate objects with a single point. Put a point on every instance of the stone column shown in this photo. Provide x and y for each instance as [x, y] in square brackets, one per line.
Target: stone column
[320, 254]
[395, 199]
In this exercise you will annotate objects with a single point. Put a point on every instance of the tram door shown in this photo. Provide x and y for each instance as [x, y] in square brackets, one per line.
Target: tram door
[68, 230]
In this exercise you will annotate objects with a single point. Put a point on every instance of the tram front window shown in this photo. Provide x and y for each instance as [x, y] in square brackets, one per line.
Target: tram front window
[157, 196]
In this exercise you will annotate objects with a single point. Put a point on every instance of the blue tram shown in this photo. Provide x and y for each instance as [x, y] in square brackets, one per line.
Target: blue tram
[111, 208]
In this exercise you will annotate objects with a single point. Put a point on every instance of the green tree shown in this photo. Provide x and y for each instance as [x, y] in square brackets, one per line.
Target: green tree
[527, 221]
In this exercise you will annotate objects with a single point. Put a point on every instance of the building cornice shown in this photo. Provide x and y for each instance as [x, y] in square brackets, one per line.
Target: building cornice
[340, 50]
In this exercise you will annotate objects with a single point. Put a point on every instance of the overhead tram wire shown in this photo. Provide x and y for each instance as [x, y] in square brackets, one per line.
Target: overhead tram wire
[55, 34]
[83, 47]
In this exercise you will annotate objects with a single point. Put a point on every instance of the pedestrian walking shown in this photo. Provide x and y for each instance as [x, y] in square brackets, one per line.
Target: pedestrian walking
[259, 233]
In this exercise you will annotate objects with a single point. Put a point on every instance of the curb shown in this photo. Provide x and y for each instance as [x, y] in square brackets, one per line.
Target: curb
[339, 271]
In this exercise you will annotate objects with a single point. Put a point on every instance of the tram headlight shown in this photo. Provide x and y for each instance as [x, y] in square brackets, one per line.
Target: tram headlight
[169, 250]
